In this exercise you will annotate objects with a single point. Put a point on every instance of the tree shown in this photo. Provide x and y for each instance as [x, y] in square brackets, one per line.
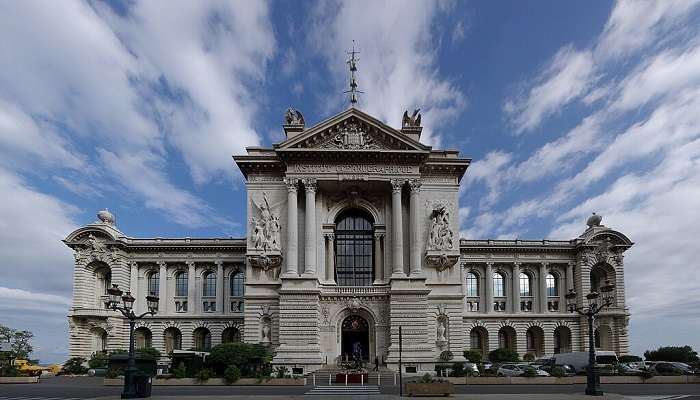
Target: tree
[473, 356]
[684, 354]
[247, 357]
[19, 340]
[503, 355]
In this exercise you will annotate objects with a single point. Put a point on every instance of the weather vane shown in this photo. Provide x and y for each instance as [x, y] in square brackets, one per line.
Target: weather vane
[352, 62]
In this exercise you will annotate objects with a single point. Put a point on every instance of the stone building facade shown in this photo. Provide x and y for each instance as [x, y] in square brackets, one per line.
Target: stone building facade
[353, 231]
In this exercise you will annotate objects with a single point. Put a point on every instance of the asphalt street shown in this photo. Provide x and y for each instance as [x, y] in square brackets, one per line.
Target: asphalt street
[60, 388]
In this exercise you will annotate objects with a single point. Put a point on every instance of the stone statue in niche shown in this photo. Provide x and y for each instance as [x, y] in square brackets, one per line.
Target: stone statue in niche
[441, 236]
[266, 228]
[265, 330]
[293, 117]
[441, 331]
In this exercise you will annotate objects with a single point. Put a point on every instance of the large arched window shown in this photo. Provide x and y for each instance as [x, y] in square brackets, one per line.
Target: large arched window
[153, 283]
[209, 285]
[202, 339]
[552, 285]
[354, 235]
[181, 284]
[237, 283]
[472, 285]
[525, 285]
[499, 289]
[173, 339]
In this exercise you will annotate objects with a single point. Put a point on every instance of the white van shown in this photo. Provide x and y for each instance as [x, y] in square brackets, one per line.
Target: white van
[579, 359]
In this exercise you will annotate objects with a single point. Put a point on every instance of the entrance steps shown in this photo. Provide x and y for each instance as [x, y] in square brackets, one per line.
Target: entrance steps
[383, 377]
[354, 390]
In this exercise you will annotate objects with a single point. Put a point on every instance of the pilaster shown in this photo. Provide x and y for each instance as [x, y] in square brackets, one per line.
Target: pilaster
[416, 259]
[397, 228]
[291, 267]
[310, 227]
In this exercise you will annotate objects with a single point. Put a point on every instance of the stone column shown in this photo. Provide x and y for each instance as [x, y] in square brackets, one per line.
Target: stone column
[292, 229]
[378, 259]
[310, 227]
[191, 288]
[488, 288]
[397, 228]
[163, 303]
[516, 287]
[330, 260]
[219, 286]
[415, 262]
[569, 276]
[543, 287]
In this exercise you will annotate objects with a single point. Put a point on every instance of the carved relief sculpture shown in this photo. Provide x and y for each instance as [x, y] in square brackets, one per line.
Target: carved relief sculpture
[265, 236]
[442, 252]
[293, 117]
[411, 121]
[351, 136]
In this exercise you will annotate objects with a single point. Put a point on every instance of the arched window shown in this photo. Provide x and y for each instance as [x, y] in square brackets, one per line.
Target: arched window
[552, 285]
[181, 284]
[142, 338]
[237, 283]
[472, 285]
[105, 277]
[354, 261]
[525, 285]
[231, 335]
[173, 339]
[153, 283]
[209, 285]
[202, 339]
[499, 289]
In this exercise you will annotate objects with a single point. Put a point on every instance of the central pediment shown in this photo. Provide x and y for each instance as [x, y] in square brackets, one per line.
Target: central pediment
[351, 130]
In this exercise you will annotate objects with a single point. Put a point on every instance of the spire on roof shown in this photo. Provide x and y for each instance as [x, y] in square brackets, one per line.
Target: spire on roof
[352, 63]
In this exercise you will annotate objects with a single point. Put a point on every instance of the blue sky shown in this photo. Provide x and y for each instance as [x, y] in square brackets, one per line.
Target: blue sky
[565, 107]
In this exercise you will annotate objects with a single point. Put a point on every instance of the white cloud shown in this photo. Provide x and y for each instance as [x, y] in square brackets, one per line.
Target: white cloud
[568, 76]
[458, 32]
[397, 68]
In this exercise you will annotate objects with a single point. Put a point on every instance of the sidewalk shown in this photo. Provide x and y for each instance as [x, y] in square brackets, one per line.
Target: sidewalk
[396, 397]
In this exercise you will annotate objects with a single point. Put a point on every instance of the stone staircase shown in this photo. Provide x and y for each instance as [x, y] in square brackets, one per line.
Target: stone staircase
[383, 377]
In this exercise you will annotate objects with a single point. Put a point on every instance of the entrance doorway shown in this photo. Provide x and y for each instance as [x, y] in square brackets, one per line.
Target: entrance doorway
[354, 338]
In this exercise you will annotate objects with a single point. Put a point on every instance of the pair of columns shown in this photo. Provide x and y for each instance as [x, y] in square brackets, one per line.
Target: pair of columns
[292, 268]
[310, 228]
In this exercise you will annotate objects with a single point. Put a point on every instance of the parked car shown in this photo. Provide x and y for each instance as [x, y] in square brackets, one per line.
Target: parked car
[568, 369]
[517, 370]
[471, 369]
[629, 369]
[579, 359]
[667, 368]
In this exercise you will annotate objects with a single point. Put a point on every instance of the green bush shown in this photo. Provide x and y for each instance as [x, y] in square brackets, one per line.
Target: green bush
[74, 366]
[249, 358]
[9, 371]
[98, 360]
[232, 374]
[149, 351]
[282, 372]
[204, 375]
[458, 369]
[529, 357]
[114, 373]
[558, 372]
[472, 356]
[684, 354]
[530, 372]
[504, 355]
[427, 378]
[181, 371]
[440, 369]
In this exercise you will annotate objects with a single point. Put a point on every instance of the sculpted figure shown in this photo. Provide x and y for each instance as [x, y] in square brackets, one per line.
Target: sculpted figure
[411, 121]
[293, 117]
[441, 330]
[441, 236]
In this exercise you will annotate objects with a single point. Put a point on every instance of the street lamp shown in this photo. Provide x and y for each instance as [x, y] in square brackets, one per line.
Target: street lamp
[589, 310]
[127, 310]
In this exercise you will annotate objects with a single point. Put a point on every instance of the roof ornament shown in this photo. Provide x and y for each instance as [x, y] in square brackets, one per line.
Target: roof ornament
[352, 63]
[105, 217]
[594, 220]
[411, 121]
[293, 117]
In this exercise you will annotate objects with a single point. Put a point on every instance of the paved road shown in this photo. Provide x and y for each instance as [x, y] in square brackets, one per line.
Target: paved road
[60, 388]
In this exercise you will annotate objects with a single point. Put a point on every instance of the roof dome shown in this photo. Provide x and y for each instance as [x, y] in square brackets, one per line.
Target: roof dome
[594, 220]
[106, 217]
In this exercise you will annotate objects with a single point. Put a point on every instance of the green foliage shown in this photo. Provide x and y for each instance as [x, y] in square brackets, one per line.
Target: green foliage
[440, 369]
[282, 372]
[472, 356]
[427, 378]
[446, 356]
[684, 354]
[503, 355]
[232, 374]
[204, 375]
[98, 360]
[149, 351]
[74, 366]
[530, 372]
[529, 357]
[558, 372]
[19, 340]
[9, 371]
[458, 369]
[114, 373]
[181, 371]
[247, 357]
[629, 359]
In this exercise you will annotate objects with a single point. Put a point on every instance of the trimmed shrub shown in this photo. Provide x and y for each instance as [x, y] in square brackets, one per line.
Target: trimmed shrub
[232, 374]
[74, 366]
[503, 355]
[282, 372]
[473, 356]
[249, 358]
[204, 375]
[98, 360]
[458, 369]
[530, 372]
[558, 372]
[181, 371]
[9, 371]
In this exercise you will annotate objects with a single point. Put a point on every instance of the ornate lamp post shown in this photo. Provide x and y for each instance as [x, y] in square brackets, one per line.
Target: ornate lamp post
[127, 310]
[589, 310]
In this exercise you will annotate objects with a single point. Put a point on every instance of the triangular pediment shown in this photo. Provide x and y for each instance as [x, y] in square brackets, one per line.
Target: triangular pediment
[352, 130]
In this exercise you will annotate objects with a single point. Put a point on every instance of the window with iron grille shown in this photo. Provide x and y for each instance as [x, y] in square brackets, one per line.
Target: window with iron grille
[354, 258]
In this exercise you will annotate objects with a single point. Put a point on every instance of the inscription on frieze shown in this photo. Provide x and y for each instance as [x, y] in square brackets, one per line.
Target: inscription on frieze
[353, 169]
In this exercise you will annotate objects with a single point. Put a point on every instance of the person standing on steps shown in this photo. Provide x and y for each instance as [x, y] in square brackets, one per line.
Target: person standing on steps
[376, 363]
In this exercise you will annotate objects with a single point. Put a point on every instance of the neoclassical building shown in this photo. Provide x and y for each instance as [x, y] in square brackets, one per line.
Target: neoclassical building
[352, 231]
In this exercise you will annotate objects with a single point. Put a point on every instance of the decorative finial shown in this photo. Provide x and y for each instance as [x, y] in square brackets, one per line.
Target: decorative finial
[594, 220]
[352, 62]
[106, 217]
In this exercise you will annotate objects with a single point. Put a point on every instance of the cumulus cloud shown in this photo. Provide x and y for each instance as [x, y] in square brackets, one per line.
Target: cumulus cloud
[397, 68]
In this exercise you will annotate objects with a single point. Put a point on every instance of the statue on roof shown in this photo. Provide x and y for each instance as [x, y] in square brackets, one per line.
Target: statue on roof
[293, 117]
[411, 121]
